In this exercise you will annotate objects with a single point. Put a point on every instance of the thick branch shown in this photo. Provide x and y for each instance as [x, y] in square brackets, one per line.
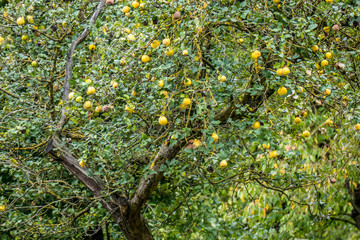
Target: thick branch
[69, 63]
[149, 183]
[117, 206]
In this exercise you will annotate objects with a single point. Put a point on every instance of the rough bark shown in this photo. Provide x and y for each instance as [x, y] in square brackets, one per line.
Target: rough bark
[149, 183]
[132, 225]
[69, 63]
[355, 202]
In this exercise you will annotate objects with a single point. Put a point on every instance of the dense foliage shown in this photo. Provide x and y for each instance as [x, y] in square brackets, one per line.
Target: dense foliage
[260, 137]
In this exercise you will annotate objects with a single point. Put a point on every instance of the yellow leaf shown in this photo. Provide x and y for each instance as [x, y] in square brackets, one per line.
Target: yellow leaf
[196, 143]
[152, 165]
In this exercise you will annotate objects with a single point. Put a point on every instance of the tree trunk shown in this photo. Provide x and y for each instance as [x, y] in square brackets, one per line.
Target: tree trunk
[128, 218]
[137, 229]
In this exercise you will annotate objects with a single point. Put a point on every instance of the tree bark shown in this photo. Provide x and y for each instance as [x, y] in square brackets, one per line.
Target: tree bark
[128, 218]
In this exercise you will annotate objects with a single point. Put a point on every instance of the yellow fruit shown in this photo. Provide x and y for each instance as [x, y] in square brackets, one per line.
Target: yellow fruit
[282, 91]
[92, 47]
[98, 109]
[169, 52]
[222, 78]
[304, 113]
[240, 40]
[185, 52]
[145, 58]
[87, 105]
[131, 37]
[329, 1]
[127, 14]
[279, 72]
[196, 143]
[163, 120]
[90, 90]
[88, 80]
[326, 29]
[324, 63]
[6, 14]
[130, 108]
[182, 106]
[115, 85]
[328, 55]
[187, 82]
[127, 30]
[30, 19]
[34, 64]
[357, 126]
[71, 95]
[315, 48]
[126, 9]
[20, 21]
[266, 146]
[2, 40]
[134, 93]
[155, 44]
[338, 39]
[256, 125]
[186, 101]
[78, 99]
[256, 54]
[286, 71]
[317, 66]
[135, 4]
[215, 137]
[24, 37]
[223, 164]
[306, 134]
[300, 90]
[327, 92]
[161, 83]
[273, 154]
[297, 120]
[82, 163]
[276, 1]
[329, 122]
[166, 42]
[2, 208]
